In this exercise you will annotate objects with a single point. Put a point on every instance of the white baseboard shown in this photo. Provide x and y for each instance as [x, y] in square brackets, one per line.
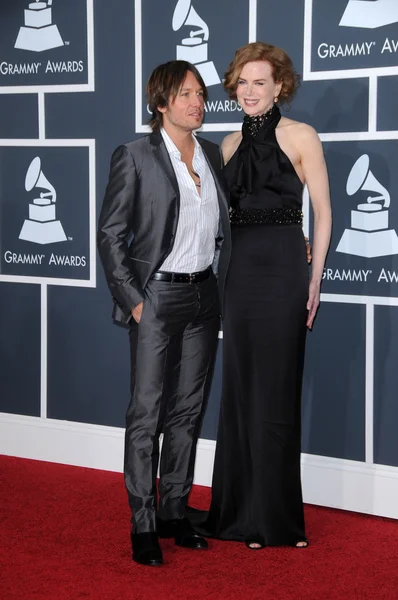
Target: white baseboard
[350, 485]
[337, 483]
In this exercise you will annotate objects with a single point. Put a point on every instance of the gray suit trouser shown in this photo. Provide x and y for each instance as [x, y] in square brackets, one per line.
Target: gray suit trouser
[173, 351]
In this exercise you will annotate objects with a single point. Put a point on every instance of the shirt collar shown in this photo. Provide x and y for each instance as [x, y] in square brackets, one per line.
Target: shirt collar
[172, 148]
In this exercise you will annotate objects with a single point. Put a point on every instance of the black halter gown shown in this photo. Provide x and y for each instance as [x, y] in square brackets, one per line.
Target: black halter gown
[256, 490]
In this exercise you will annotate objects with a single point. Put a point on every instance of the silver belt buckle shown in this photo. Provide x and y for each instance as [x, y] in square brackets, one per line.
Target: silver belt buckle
[191, 277]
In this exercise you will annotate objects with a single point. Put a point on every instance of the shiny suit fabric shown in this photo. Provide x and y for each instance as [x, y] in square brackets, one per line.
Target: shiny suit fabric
[173, 347]
[139, 216]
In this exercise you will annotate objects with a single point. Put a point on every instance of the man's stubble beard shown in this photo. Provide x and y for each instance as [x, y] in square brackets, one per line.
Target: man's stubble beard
[185, 128]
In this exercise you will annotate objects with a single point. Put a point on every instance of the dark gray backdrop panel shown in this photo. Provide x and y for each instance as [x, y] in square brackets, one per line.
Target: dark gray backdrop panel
[20, 349]
[67, 61]
[341, 43]
[372, 274]
[386, 386]
[334, 383]
[18, 116]
[20, 326]
[88, 355]
[95, 386]
[229, 16]
[329, 106]
[387, 113]
[67, 169]
[88, 375]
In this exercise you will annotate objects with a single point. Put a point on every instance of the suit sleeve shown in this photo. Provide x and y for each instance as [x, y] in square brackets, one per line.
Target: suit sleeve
[114, 229]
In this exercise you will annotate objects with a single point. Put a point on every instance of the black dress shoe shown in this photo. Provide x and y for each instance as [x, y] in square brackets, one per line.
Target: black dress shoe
[146, 549]
[184, 534]
[165, 529]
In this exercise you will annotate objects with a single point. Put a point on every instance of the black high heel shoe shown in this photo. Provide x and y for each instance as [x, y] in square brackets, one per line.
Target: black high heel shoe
[304, 541]
[260, 546]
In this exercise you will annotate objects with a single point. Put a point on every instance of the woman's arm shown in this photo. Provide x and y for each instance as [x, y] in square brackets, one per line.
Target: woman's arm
[316, 178]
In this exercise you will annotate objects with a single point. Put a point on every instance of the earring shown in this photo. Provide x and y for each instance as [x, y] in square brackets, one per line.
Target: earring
[276, 99]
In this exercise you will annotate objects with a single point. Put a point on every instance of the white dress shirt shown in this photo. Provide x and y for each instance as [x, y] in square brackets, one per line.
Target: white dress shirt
[197, 227]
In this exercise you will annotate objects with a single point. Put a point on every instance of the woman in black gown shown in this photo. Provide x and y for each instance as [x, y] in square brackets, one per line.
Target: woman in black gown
[269, 303]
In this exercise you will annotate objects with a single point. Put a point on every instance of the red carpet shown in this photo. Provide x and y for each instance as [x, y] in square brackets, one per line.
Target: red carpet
[65, 536]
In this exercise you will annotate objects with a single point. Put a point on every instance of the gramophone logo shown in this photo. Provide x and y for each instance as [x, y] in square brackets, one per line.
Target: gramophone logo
[194, 48]
[369, 235]
[370, 15]
[38, 32]
[42, 227]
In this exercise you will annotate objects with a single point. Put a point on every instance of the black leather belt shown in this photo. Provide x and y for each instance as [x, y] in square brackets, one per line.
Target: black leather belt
[182, 277]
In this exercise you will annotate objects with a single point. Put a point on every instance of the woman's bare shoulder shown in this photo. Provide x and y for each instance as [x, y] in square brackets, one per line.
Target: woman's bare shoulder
[297, 128]
[230, 144]
[299, 135]
[231, 140]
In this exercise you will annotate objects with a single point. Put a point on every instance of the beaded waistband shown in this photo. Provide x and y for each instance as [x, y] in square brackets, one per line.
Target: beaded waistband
[266, 216]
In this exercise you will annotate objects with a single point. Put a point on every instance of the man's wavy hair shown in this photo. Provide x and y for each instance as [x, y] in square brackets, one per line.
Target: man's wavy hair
[164, 84]
[281, 63]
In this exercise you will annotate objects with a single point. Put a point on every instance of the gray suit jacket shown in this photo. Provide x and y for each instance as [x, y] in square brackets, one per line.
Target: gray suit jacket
[139, 216]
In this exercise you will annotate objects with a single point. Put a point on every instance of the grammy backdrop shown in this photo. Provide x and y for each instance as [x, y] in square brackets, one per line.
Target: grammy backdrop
[72, 81]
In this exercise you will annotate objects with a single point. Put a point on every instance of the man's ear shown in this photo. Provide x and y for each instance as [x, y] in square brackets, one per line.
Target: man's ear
[162, 109]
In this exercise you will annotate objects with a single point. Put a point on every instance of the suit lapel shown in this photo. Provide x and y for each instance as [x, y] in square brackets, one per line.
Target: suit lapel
[163, 158]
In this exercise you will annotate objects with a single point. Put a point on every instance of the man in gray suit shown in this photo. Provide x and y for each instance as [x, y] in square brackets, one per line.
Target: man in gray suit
[164, 242]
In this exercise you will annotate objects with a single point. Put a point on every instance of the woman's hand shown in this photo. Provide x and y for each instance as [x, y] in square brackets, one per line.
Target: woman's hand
[313, 302]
